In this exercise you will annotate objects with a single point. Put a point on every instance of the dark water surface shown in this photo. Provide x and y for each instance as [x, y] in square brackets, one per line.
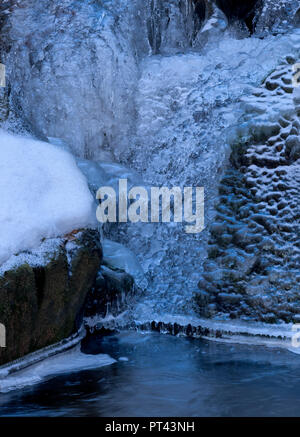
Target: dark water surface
[168, 376]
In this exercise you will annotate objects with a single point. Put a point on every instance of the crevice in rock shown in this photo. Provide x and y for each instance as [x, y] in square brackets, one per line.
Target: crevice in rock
[39, 277]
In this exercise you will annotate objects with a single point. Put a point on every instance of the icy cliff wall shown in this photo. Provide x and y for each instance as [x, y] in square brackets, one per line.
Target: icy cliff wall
[252, 270]
[72, 69]
[73, 66]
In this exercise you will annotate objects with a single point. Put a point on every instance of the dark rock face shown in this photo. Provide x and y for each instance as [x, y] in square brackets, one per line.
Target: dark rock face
[109, 294]
[4, 104]
[297, 18]
[253, 268]
[239, 10]
[40, 306]
[236, 8]
[154, 26]
[200, 9]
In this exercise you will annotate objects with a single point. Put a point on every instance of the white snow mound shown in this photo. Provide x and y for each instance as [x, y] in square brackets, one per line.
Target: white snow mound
[43, 194]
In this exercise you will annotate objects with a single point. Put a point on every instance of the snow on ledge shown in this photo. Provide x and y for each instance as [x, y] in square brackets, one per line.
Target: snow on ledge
[43, 194]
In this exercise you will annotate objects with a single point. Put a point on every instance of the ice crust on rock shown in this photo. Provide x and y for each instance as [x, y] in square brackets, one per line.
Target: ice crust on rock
[252, 271]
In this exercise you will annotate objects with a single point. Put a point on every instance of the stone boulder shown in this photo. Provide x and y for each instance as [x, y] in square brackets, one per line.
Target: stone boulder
[41, 302]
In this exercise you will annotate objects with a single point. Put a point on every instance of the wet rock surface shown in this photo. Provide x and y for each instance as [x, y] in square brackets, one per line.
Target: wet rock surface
[4, 104]
[42, 304]
[245, 11]
[109, 296]
[253, 268]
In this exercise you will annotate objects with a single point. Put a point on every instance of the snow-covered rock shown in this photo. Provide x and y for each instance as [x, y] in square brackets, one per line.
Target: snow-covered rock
[43, 194]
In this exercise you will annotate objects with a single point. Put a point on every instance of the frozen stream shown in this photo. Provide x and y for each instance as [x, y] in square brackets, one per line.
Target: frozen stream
[157, 375]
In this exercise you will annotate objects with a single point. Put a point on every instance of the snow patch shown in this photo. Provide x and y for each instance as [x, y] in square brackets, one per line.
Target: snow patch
[67, 362]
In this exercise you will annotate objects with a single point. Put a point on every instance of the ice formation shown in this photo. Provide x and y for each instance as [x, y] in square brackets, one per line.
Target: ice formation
[191, 109]
[252, 271]
[81, 72]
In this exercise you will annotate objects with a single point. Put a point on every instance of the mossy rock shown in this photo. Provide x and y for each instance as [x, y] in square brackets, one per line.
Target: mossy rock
[42, 305]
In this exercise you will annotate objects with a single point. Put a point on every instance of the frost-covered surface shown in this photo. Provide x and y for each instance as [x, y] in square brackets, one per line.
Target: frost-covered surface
[35, 257]
[43, 253]
[73, 71]
[254, 251]
[43, 195]
[276, 14]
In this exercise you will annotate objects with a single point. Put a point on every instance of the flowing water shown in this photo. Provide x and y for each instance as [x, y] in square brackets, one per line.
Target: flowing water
[159, 375]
